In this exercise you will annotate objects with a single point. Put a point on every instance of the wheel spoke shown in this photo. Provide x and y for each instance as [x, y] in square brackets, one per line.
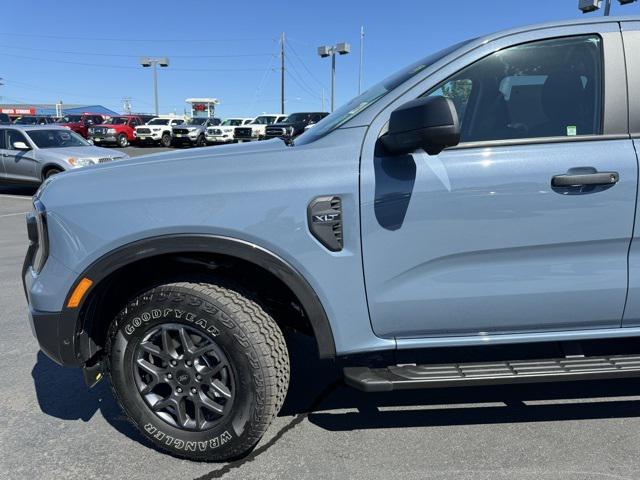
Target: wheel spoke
[198, 352]
[210, 372]
[167, 343]
[200, 420]
[221, 388]
[149, 386]
[161, 404]
[181, 411]
[209, 404]
[153, 370]
[155, 350]
[187, 342]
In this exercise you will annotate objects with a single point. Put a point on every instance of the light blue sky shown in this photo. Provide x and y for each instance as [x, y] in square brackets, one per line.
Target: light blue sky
[87, 52]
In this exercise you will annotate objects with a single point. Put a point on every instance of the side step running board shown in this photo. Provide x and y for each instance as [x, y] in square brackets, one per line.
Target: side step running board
[402, 377]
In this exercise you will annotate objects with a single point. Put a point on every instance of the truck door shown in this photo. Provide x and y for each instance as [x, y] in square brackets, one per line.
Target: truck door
[487, 237]
[631, 38]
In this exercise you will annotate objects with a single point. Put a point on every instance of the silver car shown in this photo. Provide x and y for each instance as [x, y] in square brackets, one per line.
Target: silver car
[32, 153]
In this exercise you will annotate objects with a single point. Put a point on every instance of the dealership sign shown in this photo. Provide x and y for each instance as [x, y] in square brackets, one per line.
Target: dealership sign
[18, 111]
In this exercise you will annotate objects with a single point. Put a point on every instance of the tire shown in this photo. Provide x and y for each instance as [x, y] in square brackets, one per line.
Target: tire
[51, 172]
[250, 386]
[201, 142]
[165, 141]
[123, 141]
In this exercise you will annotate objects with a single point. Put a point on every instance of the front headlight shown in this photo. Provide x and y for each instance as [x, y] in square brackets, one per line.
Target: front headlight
[80, 162]
[111, 130]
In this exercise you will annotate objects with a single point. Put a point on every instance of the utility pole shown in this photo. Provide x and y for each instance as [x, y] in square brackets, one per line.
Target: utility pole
[322, 100]
[282, 73]
[126, 105]
[361, 59]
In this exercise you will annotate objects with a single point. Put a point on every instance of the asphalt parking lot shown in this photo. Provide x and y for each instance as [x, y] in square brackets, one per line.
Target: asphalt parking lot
[53, 427]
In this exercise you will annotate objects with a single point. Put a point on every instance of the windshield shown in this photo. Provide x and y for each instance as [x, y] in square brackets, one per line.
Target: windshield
[198, 121]
[116, 121]
[232, 122]
[296, 117]
[264, 120]
[26, 121]
[71, 119]
[56, 139]
[159, 121]
[346, 112]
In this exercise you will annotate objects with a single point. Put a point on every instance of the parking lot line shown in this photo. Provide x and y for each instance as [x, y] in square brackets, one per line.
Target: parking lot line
[13, 214]
[18, 197]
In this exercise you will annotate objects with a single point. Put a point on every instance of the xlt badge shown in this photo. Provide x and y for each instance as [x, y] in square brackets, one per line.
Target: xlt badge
[325, 221]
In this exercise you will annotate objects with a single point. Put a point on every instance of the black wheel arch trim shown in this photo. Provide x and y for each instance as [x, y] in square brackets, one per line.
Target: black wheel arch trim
[204, 243]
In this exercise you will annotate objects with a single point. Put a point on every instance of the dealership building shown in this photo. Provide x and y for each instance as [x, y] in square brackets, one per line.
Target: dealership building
[56, 109]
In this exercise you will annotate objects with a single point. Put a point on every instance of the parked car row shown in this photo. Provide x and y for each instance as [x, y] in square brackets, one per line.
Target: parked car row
[171, 130]
[32, 153]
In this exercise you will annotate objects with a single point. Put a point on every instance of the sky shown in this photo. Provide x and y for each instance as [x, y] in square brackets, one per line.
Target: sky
[87, 52]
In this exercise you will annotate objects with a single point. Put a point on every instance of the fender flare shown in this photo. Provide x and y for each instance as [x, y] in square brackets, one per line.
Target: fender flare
[202, 243]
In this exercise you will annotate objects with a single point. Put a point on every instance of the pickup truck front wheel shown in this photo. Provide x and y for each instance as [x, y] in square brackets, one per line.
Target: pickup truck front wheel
[123, 141]
[200, 369]
[165, 140]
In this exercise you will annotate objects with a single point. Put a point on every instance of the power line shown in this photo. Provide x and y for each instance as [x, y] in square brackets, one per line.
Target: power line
[300, 81]
[138, 40]
[125, 55]
[293, 50]
[127, 67]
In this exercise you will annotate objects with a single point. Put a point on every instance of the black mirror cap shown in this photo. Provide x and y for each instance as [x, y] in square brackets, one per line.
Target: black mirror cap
[430, 123]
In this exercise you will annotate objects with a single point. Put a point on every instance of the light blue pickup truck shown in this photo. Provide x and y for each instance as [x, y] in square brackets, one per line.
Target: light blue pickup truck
[485, 196]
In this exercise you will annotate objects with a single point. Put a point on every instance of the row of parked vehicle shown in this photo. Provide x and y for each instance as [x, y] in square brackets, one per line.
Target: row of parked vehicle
[199, 132]
[124, 130]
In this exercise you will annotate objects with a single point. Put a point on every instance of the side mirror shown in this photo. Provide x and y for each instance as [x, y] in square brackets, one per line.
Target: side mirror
[430, 123]
[21, 146]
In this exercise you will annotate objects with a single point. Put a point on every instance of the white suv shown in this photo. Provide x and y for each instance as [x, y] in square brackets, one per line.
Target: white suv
[157, 130]
[257, 128]
[225, 132]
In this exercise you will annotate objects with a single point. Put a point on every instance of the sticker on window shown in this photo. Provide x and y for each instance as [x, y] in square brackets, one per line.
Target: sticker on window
[572, 130]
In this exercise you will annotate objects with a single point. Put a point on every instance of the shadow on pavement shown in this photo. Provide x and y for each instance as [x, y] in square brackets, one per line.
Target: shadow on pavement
[62, 393]
[316, 393]
[454, 406]
[18, 190]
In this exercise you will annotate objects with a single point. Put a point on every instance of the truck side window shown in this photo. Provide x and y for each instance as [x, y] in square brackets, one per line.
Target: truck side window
[549, 88]
[3, 145]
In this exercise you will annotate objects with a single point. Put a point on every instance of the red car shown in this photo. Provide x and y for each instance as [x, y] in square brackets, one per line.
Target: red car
[81, 122]
[118, 130]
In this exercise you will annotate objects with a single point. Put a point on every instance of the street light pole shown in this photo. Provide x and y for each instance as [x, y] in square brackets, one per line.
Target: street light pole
[154, 62]
[333, 78]
[155, 86]
[330, 51]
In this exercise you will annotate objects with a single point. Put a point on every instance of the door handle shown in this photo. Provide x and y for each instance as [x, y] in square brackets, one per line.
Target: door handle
[579, 180]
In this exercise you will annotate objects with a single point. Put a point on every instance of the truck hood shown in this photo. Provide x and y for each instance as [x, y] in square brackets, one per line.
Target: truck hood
[105, 125]
[156, 161]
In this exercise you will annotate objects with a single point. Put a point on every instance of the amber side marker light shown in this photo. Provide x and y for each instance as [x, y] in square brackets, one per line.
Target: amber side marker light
[79, 292]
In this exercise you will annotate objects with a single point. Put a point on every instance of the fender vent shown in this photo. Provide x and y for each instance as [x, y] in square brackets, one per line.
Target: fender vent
[325, 221]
